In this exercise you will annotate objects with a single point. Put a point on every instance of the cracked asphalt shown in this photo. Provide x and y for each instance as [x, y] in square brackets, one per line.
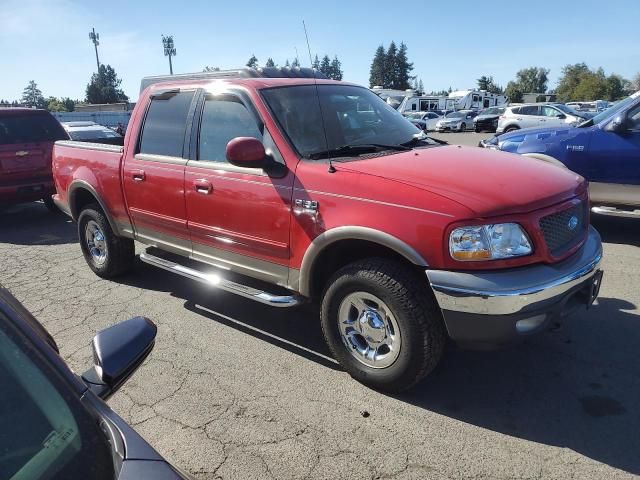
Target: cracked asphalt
[238, 390]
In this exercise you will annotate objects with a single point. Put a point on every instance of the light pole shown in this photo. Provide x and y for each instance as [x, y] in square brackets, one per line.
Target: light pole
[169, 50]
[94, 37]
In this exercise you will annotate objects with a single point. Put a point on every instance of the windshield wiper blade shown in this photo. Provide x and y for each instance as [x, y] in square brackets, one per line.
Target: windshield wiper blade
[354, 150]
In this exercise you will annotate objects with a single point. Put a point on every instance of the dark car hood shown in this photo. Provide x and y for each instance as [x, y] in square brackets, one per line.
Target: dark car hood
[540, 132]
[487, 117]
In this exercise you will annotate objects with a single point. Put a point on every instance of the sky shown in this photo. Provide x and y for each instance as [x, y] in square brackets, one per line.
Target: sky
[450, 44]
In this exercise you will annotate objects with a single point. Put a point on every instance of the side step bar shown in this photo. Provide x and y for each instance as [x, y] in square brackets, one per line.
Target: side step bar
[216, 281]
[616, 212]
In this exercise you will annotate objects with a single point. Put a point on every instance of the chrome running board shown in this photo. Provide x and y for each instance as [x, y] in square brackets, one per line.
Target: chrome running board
[616, 212]
[216, 281]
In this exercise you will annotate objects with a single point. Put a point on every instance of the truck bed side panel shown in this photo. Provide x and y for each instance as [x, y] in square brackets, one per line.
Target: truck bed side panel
[95, 167]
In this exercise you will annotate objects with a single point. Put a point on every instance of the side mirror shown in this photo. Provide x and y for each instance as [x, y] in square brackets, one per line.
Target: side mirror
[618, 124]
[562, 116]
[118, 351]
[246, 152]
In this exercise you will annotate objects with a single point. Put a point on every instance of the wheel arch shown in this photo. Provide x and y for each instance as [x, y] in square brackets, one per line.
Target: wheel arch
[82, 193]
[339, 246]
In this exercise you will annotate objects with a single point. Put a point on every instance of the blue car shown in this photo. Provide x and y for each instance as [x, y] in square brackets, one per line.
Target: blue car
[604, 149]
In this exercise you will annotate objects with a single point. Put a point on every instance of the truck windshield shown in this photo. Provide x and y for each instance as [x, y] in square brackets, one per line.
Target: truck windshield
[351, 115]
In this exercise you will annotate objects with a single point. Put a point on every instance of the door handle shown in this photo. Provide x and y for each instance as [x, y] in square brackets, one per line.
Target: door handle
[203, 187]
[137, 175]
[543, 120]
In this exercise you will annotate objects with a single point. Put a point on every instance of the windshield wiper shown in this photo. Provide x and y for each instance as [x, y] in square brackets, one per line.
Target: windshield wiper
[354, 150]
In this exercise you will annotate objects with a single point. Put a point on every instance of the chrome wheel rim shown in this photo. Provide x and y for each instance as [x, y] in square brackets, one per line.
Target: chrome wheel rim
[369, 330]
[96, 243]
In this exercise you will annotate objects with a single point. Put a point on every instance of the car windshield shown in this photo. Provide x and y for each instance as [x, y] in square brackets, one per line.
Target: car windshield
[454, 115]
[493, 111]
[30, 128]
[322, 119]
[611, 111]
[46, 432]
[417, 115]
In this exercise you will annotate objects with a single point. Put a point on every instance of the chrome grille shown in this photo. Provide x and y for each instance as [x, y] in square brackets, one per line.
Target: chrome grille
[558, 232]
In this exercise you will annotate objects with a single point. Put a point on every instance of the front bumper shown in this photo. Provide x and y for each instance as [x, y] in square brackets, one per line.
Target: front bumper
[502, 306]
[448, 128]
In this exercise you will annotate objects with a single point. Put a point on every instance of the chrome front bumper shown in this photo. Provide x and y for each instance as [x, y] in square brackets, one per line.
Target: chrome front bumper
[501, 305]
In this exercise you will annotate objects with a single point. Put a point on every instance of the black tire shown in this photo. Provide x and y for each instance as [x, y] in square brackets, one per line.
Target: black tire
[412, 304]
[119, 252]
[51, 206]
[511, 128]
[477, 130]
[463, 127]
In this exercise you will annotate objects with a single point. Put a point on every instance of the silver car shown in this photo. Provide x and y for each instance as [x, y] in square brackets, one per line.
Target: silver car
[537, 115]
[459, 121]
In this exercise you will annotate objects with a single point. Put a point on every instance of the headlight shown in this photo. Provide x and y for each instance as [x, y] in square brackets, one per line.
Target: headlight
[489, 242]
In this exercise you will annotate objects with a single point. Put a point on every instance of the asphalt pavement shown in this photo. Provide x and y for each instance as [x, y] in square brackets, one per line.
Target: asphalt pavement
[238, 390]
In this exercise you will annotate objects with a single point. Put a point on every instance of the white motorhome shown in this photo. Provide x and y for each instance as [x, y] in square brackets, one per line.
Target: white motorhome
[391, 96]
[458, 100]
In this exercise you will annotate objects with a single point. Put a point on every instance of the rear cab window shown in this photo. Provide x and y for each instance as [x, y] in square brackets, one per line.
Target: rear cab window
[30, 128]
[165, 125]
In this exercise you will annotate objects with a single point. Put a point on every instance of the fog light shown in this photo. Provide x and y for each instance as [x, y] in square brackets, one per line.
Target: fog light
[528, 324]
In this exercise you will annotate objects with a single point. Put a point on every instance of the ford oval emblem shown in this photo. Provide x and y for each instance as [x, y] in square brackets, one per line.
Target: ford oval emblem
[573, 223]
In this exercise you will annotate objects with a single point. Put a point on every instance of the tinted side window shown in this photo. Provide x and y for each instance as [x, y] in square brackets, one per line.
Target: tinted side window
[223, 119]
[164, 128]
[529, 110]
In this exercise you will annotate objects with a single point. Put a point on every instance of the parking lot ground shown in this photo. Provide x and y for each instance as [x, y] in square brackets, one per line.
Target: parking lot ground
[234, 389]
[470, 139]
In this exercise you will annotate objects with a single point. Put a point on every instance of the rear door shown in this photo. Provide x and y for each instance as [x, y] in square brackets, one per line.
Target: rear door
[529, 116]
[26, 143]
[153, 172]
[238, 217]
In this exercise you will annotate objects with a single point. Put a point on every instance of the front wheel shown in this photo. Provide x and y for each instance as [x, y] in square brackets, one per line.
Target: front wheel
[463, 127]
[106, 254]
[382, 324]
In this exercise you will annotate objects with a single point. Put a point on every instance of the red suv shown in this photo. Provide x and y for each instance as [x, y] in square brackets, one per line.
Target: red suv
[26, 142]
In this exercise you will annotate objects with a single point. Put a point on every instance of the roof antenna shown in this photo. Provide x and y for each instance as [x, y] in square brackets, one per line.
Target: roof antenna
[331, 168]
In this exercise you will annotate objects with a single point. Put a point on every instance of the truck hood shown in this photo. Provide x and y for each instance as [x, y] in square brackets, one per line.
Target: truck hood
[488, 182]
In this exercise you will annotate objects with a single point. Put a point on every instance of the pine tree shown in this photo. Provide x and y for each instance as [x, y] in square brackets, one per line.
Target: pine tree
[287, 64]
[325, 66]
[295, 63]
[253, 62]
[336, 69]
[376, 73]
[391, 78]
[316, 63]
[32, 96]
[421, 86]
[403, 67]
[104, 87]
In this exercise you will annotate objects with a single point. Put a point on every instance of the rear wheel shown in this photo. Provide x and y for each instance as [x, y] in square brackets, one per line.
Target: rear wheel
[382, 324]
[511, 128]
[106, 254]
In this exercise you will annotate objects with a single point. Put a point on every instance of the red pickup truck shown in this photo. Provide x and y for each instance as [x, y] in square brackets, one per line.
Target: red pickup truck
[286, 189]
[26, 143]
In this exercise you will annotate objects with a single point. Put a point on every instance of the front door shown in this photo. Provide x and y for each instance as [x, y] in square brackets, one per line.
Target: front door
[616, 161]
[153, 173]
[238, 217]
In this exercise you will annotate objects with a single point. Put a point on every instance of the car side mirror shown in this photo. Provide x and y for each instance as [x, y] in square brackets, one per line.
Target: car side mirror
[118, 351]
[618, 124]
[562, 116]
[246, 152]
